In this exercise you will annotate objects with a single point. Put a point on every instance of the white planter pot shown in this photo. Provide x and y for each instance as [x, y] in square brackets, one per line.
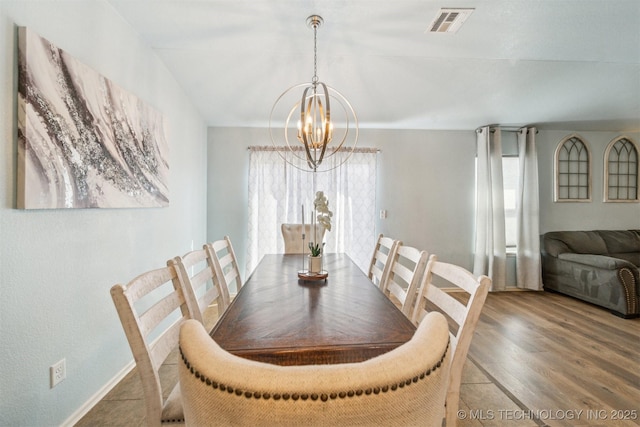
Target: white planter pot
[315, 264]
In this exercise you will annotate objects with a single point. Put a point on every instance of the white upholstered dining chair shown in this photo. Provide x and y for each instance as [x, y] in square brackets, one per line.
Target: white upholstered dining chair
[292, 237]
[196, 273]
[401, 284]
[464, 316]
[380, 266]
[152, 308]
[405, 386]
[225, 263]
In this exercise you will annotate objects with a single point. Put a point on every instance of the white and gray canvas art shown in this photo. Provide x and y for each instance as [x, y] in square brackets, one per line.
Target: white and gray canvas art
[84, 142]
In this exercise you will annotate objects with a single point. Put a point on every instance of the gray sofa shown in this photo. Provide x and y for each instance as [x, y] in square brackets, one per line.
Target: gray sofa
[600, 267]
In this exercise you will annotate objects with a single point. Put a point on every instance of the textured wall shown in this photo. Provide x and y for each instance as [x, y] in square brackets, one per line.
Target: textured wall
[57, 266]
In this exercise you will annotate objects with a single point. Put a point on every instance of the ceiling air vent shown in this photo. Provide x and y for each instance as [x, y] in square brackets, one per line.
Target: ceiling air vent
[449, 20]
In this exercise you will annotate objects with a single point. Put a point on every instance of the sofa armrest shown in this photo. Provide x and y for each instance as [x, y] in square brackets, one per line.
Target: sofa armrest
[606, 281]
[598, 261]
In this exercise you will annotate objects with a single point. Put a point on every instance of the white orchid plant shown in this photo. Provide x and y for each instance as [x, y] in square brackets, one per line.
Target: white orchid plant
[323, 217]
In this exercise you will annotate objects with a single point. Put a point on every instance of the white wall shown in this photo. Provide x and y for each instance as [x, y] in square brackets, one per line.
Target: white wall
[415, 179]
[227, 185]
[57, 266]
[426, 183]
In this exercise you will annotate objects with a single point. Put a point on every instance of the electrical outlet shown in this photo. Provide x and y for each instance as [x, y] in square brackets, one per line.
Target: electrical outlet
[57, 372]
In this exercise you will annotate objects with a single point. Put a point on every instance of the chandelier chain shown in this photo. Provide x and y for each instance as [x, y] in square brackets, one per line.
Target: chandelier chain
[315, 54]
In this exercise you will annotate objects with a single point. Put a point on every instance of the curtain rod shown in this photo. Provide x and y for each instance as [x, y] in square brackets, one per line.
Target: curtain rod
[514, 129]
[272, 148]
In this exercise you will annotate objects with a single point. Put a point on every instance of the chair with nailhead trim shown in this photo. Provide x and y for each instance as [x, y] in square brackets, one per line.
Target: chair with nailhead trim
[292, 237]
[405, 386]
[463, 316]
[152, 307]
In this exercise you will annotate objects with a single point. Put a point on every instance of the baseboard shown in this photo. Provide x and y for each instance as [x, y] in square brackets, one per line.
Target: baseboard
[98, 396]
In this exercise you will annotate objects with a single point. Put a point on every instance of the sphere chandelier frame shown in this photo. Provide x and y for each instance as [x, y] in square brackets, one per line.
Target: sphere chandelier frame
[316, 136]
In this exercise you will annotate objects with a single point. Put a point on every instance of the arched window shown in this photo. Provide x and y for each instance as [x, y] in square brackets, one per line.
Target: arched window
[621, 171]
[573, 171]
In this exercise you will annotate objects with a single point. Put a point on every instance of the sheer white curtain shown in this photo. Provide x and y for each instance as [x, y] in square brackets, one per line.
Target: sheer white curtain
[528, 274]
[490, 246]
[277, 192]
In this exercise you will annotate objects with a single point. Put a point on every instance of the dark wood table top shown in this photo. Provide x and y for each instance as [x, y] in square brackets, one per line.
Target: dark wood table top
[277, 318]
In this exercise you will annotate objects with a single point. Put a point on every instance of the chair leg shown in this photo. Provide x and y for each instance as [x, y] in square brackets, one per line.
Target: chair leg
[451, 408]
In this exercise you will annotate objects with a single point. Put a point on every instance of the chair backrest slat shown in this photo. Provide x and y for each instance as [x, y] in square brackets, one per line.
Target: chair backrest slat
[461, 277]
[454, 308]
[375, 272]
[201, 277]
[165, 344]
[194, 257]
[226, 259]
[211, 294]
[147, 282]
[401, 271]
[159, 311]
[231, 276]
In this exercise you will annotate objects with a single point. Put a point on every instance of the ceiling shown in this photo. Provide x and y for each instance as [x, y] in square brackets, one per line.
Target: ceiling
[557, 64]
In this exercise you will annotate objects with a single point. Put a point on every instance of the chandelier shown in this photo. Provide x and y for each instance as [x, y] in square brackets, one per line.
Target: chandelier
[320, 132]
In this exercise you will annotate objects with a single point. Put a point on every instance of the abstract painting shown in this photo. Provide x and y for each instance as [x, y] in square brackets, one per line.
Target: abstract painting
[83, 141]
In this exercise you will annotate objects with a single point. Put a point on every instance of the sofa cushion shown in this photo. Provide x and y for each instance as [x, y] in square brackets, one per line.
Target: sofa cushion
[580, 242]
[620, 241]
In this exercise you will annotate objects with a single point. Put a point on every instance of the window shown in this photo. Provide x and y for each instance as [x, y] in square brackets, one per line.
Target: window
[277, 192]
[510, 178]
[621, 171]
[573, 171]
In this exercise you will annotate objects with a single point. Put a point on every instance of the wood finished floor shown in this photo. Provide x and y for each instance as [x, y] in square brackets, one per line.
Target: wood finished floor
[536, 359]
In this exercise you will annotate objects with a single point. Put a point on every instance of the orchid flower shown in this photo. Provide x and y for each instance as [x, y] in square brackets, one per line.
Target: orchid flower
[321, 205]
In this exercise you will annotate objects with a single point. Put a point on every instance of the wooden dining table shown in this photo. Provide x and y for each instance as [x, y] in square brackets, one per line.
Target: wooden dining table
[278, 318]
